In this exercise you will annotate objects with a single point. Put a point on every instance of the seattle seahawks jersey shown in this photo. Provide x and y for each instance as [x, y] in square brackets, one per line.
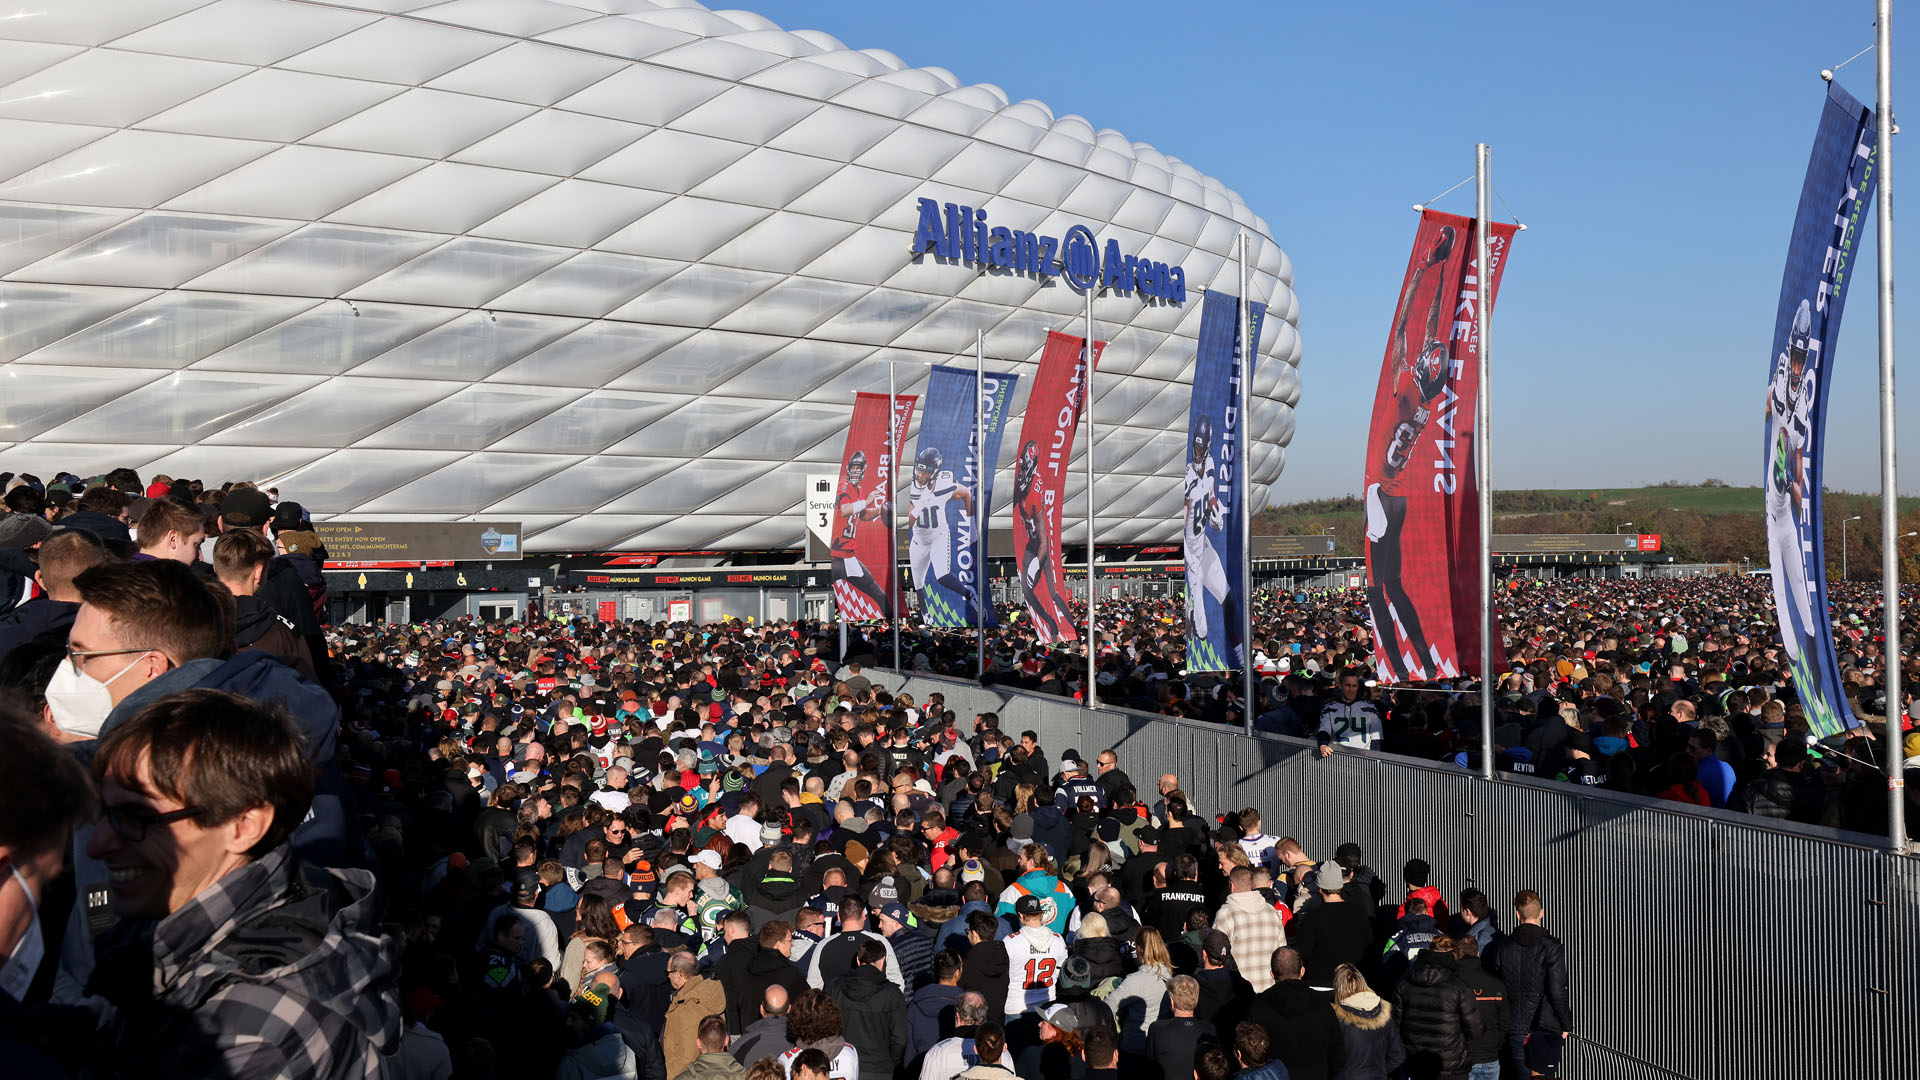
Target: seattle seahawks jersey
[928, 503]
[1792, 428]
[1200, 485]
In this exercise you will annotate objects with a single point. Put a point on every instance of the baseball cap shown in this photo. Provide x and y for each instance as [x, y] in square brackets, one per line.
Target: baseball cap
[420, 1001]
[1061, 1016]
[972, 871]
[526, 885]
[1148, 835]
[708, 858]
[1216, 946]
[1348, 855]
[1028, 905]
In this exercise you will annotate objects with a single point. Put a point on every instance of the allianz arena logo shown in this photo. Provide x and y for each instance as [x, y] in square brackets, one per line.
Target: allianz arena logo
[951, 231]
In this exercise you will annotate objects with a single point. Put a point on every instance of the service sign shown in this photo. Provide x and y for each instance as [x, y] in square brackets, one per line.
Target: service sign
[819, 511]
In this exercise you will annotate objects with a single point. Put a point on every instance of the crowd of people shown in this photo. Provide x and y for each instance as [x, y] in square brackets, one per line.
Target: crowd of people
[240, 842]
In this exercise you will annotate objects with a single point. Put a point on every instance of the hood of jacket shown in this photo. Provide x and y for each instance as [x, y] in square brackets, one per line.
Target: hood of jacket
[862, 984]
[1417, 924]
[255, 675]
[830, 1046]
[1039, 882]
[280, 923]
[252, 619]
[1364, 1010]
[1100, 952]
[776, 889]
[929, 1000]
[987, 1071]
[185, 677]
[604, 1053]
[1431, 969]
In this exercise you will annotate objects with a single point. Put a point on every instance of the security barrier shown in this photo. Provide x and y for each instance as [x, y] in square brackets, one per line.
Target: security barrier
[1701, 944]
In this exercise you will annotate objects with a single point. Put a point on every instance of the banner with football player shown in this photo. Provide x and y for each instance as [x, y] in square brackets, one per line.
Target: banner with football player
[1039, 480]
[1824, 245]
[862, 549]
[1216, 570]
[1422, 498]
[951, 495]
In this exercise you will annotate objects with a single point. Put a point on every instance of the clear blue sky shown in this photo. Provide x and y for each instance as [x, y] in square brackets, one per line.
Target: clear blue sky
[1654, 150]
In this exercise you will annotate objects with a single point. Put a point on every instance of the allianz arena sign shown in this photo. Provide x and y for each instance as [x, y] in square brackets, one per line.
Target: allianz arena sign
[949, 231]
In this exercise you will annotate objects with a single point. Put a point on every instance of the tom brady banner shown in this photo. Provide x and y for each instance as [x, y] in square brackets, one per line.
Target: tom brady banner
[1422, 498]
[863, 576]
[1215, 558]
[951, 496]
[1820, 254]
[1039, 480]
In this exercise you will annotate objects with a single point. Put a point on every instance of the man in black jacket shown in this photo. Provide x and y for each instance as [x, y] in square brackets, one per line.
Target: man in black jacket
[985, 971]
[1534, 965]
[1438, 1016]
[873, 1013]
[1300, 1023]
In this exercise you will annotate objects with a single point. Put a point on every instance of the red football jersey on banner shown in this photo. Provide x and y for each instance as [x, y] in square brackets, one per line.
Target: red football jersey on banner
[1422, 498]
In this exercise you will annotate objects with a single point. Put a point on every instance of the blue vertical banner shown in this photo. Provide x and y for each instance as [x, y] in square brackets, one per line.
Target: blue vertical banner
[1216, 452]
[951, 493]
[1820, 261]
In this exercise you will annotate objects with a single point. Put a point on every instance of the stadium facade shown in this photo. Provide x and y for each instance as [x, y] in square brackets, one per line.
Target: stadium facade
[616, 275]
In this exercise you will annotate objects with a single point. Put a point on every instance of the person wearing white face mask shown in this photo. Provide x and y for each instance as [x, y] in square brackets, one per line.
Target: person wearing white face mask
[47, 791]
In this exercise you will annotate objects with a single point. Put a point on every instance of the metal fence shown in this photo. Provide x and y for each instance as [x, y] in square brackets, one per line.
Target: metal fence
[1701, 944]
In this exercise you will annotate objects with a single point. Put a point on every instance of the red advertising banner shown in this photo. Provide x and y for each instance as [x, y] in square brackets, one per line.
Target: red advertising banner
[863, 577]
[1422, 502]
[1039, 480]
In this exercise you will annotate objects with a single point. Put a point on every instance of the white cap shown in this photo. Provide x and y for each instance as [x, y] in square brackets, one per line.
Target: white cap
[708, 858]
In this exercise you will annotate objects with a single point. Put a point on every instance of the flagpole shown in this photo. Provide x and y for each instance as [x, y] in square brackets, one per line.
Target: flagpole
[982, 514]
[1483, 445]
[1889, 500]
[1242, 443]
[1086, 359]
[893, 522]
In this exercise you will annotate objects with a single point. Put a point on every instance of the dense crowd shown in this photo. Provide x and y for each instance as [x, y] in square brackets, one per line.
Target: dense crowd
[241, 843]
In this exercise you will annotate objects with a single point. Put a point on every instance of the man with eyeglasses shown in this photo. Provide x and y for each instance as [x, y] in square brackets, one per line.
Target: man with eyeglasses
[233, 957]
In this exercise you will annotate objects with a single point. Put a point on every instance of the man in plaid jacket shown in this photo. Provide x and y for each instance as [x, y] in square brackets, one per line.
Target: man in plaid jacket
[233, 958]
[1253, 928]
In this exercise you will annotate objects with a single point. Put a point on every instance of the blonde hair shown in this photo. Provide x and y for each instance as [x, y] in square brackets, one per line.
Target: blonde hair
[1093, 926]
[1151, 948]
[1347, 981]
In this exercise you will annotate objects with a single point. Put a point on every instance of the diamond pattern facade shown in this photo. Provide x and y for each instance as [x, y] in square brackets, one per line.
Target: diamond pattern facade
[615, 267]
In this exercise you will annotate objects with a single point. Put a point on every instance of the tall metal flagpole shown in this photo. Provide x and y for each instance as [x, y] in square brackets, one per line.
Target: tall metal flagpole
[982, 513]
[1244, 465]
[1093, 645]
[893, 522]
[1483, 446]
[1889, 502]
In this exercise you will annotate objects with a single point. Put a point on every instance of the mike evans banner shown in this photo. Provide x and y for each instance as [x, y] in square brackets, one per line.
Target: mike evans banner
[1422, 506]
[863, 574]
[951, 496]
[1039, 477]
[1840, 180]
[1215, 559]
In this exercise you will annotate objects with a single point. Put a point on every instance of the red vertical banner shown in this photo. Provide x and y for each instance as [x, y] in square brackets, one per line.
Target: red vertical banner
[1039, 480]
[863, 577]
[1422, 496]
[608, 610]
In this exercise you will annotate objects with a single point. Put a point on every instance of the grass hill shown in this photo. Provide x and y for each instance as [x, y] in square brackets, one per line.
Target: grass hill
[1707, 522]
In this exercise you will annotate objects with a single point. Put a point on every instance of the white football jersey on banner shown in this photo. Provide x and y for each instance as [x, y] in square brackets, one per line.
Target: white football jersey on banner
[1034, 958]
[928, 501]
